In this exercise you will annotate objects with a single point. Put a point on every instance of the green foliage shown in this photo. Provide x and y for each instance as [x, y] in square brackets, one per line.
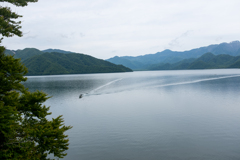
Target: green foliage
[9, 27]
[21, 3]
[25, 131]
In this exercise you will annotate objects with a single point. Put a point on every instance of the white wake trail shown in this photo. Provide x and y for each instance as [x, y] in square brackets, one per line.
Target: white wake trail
[195, 81]
[92, 92]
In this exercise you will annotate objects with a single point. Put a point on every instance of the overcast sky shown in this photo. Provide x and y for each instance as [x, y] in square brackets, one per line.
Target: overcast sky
[108, 28]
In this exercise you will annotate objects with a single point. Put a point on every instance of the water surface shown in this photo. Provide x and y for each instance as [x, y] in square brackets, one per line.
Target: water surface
[153, 115]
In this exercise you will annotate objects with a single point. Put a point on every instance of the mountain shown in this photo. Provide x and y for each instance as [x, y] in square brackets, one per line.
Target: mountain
[24, 54]
[72, 63]
[30, 52]
[135, 65]
[206, 61]
[47, 63]
[171, 57]
[56, 50]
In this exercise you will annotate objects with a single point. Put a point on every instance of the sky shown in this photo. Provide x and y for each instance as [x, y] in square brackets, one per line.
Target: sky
[108, 28]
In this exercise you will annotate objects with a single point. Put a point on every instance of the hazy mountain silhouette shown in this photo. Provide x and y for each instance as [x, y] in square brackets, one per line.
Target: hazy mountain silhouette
[167, 56]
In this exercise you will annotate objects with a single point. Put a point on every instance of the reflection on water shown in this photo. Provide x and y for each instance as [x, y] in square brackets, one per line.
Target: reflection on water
[148, 115]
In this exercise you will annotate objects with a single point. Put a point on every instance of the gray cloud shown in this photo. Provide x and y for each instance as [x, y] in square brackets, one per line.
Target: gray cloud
[218, 39]
[132, 28]
[64, 36]
[82, 35]
[176, 42]
[31, 37]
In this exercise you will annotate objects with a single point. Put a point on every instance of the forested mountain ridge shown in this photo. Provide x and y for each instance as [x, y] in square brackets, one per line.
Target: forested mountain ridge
[167, 56]
[24, 54]
[72, 63]
[56, 50]
[41, 63]
[206, 61]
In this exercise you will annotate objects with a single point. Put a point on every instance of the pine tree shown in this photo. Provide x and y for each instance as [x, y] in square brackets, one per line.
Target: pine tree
[25, 131]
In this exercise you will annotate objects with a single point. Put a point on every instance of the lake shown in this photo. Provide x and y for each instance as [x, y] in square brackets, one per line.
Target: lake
[148, 115]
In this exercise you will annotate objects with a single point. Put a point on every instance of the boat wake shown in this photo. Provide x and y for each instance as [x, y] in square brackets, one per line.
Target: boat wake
[94, 91]
[109, 83]
[194, 81]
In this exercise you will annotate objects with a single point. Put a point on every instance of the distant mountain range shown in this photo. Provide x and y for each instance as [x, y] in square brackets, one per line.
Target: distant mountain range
[52, 62]
[55, 61]
[206, 61]
[172, 58]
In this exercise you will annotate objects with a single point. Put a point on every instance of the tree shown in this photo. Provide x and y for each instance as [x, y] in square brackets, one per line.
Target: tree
[25, 131]
[9, 27]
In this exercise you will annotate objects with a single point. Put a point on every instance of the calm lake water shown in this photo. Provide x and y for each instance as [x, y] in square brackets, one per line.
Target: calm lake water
[152, 115]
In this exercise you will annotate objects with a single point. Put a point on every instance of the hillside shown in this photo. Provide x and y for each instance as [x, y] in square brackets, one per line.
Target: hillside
[72, 63]
[171, 57]
[206, 61]
[41, 63]
[24, 54]
[56, 50]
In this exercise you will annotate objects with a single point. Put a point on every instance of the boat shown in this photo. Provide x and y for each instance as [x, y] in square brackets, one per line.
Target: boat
[80, 96]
